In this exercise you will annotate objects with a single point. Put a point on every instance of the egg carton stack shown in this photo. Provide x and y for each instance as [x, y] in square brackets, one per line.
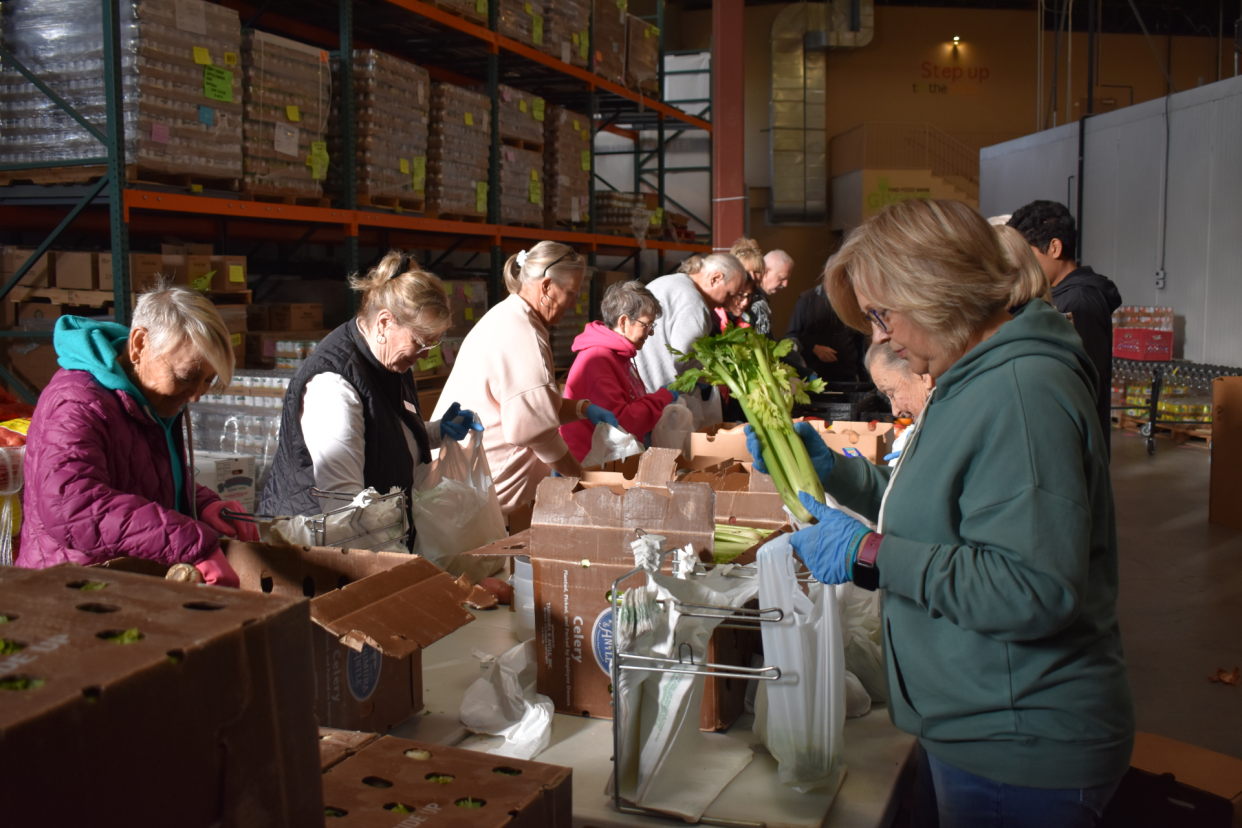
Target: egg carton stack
[567, 31]
[181, 89]
[287, 96]
[458, 152]
[566, 168]
[611, 21]
[391, 103]
[574, 322]
[642, 57]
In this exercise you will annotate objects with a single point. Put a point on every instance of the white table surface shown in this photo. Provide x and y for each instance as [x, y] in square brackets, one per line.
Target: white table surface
[878, 756]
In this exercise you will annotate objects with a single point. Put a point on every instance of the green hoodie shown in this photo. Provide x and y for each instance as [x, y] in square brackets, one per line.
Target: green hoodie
[999, 566]
[92, 346]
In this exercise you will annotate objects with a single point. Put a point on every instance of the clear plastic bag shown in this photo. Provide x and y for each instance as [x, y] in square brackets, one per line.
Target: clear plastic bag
[801, 716]
[455, 510]
[706, 412]
[674, 428]
[11, 459]
[609, 444]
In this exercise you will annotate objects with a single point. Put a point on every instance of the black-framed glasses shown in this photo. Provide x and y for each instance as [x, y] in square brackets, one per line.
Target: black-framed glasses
[878, 318]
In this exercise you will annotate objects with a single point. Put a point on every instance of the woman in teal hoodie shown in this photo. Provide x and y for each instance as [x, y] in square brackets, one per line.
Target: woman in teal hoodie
[996, 545]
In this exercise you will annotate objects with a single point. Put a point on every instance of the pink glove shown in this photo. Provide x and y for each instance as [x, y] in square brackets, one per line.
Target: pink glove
[240, 529]
[217, 571]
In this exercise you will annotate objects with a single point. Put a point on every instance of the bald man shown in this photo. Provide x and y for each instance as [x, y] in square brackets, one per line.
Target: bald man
[777, 266]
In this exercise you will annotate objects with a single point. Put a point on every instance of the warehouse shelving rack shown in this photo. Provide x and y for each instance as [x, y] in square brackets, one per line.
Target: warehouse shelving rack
[451, 48]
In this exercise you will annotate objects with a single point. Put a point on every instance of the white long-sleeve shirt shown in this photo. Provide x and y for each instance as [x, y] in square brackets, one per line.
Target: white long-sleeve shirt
[335, 436]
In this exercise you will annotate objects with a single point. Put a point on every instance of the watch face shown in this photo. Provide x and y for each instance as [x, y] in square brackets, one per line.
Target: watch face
[866, 576]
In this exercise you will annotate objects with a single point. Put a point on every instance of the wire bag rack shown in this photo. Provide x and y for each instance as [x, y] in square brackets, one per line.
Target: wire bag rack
[684, 663]
[319, 523]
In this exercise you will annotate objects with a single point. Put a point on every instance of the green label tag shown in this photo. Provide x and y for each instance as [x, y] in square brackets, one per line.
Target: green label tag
[536, 29]
[480, 6]
[584, 44]
[586, 160]
[536, 109]
[203, 283]
[418, 174]
[218, 84]
[480, 197]
[657, 218]
[318, 160]
[536, 192]
[434, 359]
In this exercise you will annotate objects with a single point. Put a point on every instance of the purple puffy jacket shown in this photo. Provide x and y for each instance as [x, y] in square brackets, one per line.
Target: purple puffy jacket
[99, 482]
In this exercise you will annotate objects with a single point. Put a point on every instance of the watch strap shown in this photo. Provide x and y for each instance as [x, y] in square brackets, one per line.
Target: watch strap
[866, 573]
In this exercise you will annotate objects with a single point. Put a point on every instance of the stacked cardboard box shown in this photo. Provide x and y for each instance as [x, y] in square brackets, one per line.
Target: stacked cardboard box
[521, 187]
[147, 675]
[234, 317]
[370, 780]
[566, 168]
[39, 275]
[626, 213]
[467, 303]
[181, 84]
[523, 21]
[522, 118]
[458, 151]
[611, 20]
[473, 10]
[391, 101]
[574, 322]
[567, 30]
[288, 89]
[274, 328]
[642, 57]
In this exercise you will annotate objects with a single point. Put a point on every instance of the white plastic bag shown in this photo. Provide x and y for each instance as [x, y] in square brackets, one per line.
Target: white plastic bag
[804, 714]
[706, 412]
[673, 429]
[608, 444]
[860, 627]
[504, 703]
[369, 523]
[456, 510]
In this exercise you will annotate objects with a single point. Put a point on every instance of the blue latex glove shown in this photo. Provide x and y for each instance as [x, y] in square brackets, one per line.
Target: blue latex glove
[890, 457]
[457, 422]
[675, 394]
[822, 457]
[599, 415]
[830, 547]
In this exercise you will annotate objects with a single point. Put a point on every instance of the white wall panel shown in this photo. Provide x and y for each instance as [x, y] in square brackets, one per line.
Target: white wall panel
[1026, 169]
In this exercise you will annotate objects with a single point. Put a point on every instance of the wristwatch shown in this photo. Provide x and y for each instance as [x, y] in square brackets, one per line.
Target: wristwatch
[866, 574]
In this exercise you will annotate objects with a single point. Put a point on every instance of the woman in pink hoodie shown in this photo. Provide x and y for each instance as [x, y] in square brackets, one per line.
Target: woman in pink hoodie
[604, 370]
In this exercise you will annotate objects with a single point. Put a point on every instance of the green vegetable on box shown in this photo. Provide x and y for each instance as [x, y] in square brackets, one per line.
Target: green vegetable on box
[732, 541]
[749, 365]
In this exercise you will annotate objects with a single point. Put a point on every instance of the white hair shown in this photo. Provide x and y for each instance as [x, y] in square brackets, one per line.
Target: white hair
[724, 263]
[171, 315]
[881, 354]
[778, 257]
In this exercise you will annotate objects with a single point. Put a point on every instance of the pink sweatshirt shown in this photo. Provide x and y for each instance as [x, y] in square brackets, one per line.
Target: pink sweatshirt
[503, 373]
[604, 373]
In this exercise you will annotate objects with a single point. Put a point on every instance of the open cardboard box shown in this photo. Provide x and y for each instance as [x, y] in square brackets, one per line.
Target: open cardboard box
[1173, 783]
[871, 440]
[446, 786]
[335, 746]
[579, 545]
[744, 496]
[207, 719]
[722, 441]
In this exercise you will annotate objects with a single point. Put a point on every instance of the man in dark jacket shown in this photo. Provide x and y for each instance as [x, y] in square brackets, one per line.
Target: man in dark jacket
[1077, 290]
[829, 346]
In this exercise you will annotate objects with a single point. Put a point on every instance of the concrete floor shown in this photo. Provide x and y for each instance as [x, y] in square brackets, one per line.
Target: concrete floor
[1181, 594]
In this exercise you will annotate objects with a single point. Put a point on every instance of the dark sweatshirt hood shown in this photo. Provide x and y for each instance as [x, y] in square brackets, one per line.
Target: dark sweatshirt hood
[1037, 329]
[1084, 278]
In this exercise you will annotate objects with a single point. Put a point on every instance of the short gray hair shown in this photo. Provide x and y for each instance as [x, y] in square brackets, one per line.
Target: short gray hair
[170, 315]
[725, 263]
[882, 354]
[630, 299]
[778, 257]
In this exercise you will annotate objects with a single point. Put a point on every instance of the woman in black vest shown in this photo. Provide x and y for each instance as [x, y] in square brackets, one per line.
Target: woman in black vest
[351, 418]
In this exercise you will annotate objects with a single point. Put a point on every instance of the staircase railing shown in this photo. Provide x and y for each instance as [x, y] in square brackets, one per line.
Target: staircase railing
[903, 147]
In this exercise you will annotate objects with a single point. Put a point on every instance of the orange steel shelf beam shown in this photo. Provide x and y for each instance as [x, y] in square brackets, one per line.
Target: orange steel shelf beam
[350, 221]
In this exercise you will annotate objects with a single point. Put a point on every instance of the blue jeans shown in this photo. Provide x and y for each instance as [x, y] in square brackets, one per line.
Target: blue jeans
[947, 797]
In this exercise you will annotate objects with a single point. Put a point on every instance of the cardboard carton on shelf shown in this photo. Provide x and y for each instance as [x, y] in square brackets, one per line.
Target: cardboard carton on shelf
[261, 345]
[285, 316]
[228, 274]
[217, 684]
[373, 612]
[76, 270]
[41, 274]
[467, 304]
[232, 476]
[32, 362]
[182, 269]
[439, 785]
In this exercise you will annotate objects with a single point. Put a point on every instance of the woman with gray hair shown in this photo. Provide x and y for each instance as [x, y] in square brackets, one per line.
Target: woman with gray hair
[107, 471]
[504, 373]
[604, 369]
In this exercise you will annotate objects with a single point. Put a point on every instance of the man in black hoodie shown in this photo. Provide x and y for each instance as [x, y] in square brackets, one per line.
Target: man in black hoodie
[1077, 290]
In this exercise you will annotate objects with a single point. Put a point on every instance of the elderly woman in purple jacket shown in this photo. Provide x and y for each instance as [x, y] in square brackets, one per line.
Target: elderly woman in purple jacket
[106, 469]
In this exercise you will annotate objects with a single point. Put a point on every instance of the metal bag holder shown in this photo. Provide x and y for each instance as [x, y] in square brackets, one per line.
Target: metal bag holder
[319, 522]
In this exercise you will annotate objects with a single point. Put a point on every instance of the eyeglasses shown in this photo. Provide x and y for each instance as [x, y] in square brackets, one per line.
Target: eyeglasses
[423, 347]
[648, 327]
[878, 318]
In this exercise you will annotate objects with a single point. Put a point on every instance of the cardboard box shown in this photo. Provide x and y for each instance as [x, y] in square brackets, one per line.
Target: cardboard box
[186, 250]
[261, 345]
[185, 270]
[744, 496]
[232, 476]
[295, 316]
[41, 275]
[32, 362]
[145, 270]
[432, 781]
[654, 467]
[229, 274]
[373, 611]
[104, 265]
[1225, 482]
[853, 439]
[335, 746]
[467, 304]
[218, 687]
[76, 271]
[34, 311]
[722, 440]
[579, 545]
[1173, 783]
[235, 320]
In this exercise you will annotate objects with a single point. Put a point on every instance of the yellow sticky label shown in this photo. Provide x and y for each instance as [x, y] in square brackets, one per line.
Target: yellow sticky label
[469, 119]
[522, 104]
[536, 192]
[237, 273]
[235, 339]
[230, 58]
[292, 113]
[480, 197]
[201, 56]
[528, 8]
[196, 188]
[576, 127]
[480, 6]
[318, 160]
[403, 165]
[536, 109]
[468, 290]
[657, 218]
[418, 176]
[586, 135]
[586, 160]
[584, 44]
[398, 209]
[573, 38]
[536, 29]
[534, 175]
[469, 314]
[433, 360]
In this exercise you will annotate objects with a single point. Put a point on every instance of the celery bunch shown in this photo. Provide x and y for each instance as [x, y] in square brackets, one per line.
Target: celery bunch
[749, 364]
[732, 541]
